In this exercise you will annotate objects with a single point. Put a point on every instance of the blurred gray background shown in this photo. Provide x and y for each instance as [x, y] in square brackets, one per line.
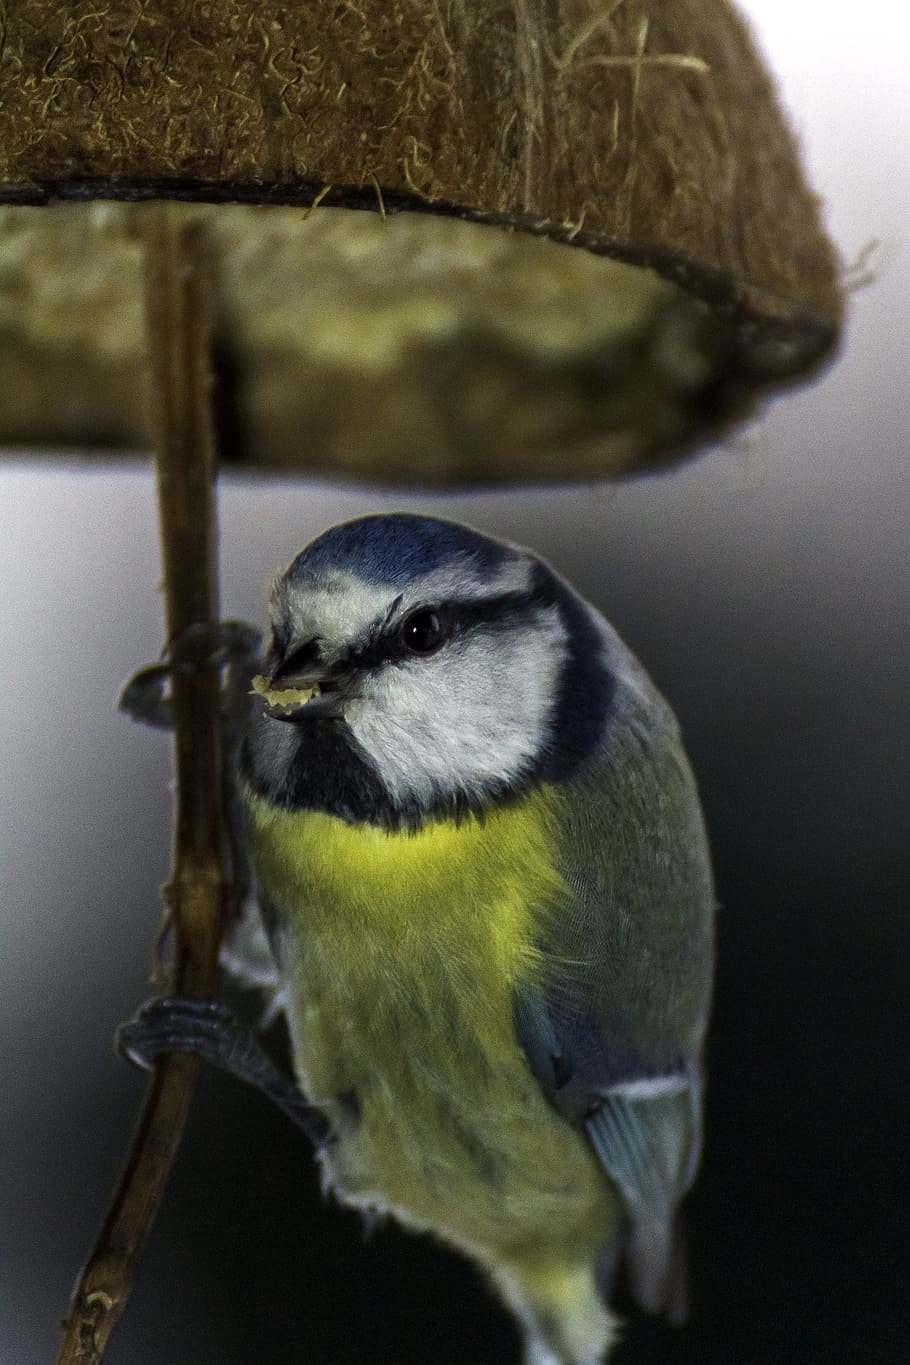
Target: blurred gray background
[766, 588]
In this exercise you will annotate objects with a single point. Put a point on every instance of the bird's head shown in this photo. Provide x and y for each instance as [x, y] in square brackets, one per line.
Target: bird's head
[442, 669]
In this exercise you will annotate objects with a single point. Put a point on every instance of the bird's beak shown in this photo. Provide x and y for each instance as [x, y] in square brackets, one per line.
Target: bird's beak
[298, 697]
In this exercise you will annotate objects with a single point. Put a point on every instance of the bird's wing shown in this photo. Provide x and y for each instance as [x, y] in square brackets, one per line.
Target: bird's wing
[614, 1029]
[649, 1146]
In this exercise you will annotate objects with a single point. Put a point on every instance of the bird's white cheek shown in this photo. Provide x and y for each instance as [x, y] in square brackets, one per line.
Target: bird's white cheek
[451, 726]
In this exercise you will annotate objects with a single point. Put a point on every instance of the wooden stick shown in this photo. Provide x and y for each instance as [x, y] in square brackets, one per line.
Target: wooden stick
[197, 897]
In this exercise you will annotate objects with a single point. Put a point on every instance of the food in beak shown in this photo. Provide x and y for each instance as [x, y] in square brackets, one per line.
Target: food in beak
[283, 698]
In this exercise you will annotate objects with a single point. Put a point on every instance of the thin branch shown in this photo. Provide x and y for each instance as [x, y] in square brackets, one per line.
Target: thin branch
[197, 897]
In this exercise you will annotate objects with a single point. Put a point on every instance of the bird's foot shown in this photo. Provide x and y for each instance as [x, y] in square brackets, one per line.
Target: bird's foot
[226, 646]
[208, 1030]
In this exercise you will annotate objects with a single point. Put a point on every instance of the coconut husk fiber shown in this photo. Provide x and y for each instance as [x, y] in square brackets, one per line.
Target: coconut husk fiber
[591, 245]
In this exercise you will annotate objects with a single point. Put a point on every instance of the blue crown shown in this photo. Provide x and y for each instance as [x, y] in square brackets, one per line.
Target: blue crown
[397, 547]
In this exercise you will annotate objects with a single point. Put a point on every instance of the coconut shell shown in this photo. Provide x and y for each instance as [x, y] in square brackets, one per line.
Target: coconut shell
[592, 246]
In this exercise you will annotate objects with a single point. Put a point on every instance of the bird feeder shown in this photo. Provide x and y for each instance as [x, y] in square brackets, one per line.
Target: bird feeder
[447, 242]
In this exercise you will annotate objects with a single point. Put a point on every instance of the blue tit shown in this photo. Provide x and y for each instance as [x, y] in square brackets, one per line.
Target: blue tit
[484, 874]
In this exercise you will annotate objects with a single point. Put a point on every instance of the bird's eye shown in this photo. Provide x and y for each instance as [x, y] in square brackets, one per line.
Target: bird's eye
[422, 632]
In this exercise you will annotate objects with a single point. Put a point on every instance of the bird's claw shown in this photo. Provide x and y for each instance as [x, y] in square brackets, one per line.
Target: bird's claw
[207, 1029]
[233, 644]
[177, 1024]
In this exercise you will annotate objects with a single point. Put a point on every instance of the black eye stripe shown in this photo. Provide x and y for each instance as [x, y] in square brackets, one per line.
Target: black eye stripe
[391, 612]
[299, 659]
[460, 615]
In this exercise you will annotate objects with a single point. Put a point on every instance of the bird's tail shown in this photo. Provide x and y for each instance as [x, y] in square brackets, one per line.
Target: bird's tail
[564, 1318]
[656, 1260]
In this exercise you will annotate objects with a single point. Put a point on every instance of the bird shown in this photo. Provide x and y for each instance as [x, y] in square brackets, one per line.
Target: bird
[484, 878]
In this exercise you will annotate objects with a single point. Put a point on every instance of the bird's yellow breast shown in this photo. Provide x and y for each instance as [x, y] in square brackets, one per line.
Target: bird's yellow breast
[402, 952]
[473, 891]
